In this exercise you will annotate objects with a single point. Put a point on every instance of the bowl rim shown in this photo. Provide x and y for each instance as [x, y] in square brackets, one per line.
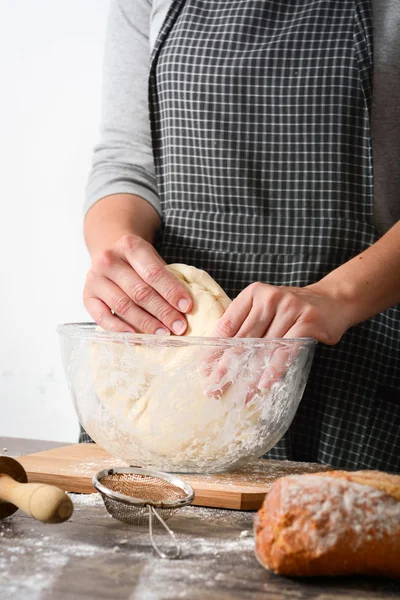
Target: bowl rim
[88, 330]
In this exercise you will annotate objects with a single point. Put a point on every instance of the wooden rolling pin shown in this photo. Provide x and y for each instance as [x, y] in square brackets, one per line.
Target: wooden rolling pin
[44, 502]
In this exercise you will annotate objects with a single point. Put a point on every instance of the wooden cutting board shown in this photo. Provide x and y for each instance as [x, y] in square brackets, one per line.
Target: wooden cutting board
[72, 467]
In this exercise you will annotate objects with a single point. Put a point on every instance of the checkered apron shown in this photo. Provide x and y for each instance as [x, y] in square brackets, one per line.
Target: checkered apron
[260, 115]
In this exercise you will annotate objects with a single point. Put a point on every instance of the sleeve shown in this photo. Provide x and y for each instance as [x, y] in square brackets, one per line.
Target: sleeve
[123, 158]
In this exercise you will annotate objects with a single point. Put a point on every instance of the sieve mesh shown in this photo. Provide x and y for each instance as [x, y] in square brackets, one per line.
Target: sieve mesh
[143, 488]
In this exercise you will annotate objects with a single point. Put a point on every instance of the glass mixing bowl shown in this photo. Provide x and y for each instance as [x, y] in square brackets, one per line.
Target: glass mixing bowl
[184, 404]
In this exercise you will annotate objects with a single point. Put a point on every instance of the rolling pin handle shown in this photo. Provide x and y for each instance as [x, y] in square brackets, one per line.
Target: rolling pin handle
[43, 502]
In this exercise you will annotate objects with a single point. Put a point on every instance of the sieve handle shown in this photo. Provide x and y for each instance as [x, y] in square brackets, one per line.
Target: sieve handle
[152, 511]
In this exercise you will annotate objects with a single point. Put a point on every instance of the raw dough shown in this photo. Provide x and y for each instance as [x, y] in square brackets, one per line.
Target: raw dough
[154, 396]
[210, 300]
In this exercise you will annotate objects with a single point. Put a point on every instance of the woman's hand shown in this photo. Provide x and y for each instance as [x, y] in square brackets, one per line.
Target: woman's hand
[353, 292]
[266, 311]
[129, 289]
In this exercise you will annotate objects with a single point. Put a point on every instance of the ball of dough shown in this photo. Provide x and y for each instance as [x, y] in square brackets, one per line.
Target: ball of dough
[209, 299]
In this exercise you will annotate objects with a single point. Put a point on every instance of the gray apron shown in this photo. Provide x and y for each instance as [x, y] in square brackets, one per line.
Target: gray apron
[260, 116]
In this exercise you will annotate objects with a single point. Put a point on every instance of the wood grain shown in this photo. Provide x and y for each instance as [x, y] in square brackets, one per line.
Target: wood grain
[72, 468]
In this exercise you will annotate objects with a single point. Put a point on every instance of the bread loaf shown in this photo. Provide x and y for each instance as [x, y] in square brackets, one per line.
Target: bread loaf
[333, 523]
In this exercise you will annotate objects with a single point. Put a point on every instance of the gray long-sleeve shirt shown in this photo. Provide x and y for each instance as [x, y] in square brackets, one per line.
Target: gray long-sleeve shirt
[123, 158]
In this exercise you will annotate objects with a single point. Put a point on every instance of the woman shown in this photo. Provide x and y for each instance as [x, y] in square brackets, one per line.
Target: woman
[243, 146]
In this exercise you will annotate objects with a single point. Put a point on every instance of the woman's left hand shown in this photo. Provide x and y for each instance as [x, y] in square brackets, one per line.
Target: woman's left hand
[267, 311]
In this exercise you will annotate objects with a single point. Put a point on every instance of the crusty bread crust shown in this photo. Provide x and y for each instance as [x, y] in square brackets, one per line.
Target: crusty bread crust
[331, 523]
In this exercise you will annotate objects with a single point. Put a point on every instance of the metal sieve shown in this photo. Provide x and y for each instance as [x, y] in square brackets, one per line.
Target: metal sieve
[135, 496]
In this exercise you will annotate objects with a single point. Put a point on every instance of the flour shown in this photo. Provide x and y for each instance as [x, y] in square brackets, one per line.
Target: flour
[205, 535]
[256, 471]
[41, 576]
[86, 500]
[199, 551]
[89, 468]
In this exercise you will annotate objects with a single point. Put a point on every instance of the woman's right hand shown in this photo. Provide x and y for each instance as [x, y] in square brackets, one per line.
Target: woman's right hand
[129, 289]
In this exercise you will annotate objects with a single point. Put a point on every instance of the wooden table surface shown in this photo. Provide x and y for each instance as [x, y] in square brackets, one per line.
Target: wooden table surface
[93, 556]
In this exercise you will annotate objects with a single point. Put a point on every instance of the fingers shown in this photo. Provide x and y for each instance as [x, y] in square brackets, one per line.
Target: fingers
[280, 324]
[275, 313]
[258, 320]
[222, 371]
[251, 372]
[143, 295]
[128, 312]
[265, 377]
[208, 361]
[251, 313]
[262, 310]
[151, 269]
[281, 308]
[276, 369]
[131, 279]
[232, 319]
[102, 315]
[285, 325]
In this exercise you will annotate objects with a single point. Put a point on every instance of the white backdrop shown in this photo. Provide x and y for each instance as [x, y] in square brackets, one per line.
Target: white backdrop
[50, 69]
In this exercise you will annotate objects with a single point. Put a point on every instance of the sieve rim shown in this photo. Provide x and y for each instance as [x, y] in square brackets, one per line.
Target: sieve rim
[140, 502]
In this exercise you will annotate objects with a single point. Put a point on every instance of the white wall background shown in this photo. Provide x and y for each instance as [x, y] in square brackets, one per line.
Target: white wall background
[50, 76]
